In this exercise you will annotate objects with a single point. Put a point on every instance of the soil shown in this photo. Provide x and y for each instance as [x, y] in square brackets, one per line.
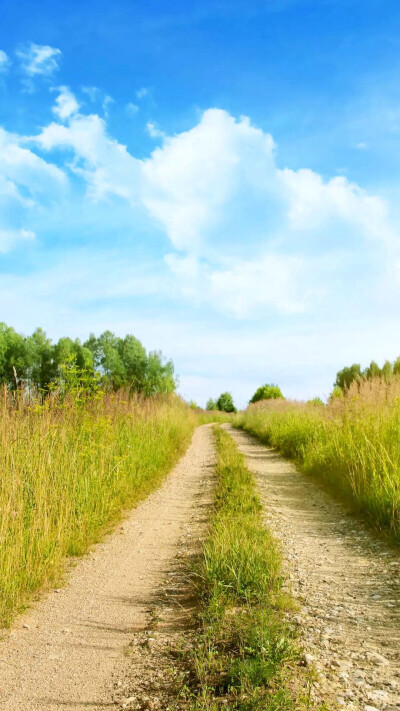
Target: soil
[346, 581]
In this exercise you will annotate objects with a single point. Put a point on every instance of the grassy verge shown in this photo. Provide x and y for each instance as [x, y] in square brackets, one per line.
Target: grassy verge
[352, 444]
[245, 656]
[67, 471]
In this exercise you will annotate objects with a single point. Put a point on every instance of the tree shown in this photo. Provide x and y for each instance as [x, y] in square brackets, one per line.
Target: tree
[346, 376]
[225, 403]
[266, 392]
[396, 366]
[373, 371]
[211, 404]
[387, 370]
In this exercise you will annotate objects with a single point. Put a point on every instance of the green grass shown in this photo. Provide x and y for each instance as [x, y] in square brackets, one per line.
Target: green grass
[352, 445]
[67, 472]
[245, 657]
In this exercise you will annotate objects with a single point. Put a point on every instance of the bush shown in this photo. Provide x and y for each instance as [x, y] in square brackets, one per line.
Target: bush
[225, 403]
[266, 392]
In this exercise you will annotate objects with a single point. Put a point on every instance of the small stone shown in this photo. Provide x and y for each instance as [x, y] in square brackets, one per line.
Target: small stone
[25, 626]
[307, 660]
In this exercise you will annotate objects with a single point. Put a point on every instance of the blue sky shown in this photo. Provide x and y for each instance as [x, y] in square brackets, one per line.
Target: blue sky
[221, 179]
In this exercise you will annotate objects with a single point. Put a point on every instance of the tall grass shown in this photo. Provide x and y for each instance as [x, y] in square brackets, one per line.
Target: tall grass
[244, 656]
[67, 471]
[352, 444]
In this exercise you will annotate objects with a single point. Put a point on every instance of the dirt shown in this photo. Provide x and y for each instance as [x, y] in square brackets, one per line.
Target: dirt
[100, 642]
[346, 581]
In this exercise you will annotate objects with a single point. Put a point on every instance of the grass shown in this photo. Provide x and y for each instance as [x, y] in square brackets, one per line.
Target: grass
[352, 444]
[245, 656]
[67, 472]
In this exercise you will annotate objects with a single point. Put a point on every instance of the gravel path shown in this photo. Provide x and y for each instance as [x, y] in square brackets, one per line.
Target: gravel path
[66, 652]
[346, 580]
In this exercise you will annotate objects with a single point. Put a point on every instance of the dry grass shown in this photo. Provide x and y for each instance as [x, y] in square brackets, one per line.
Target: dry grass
[67, 471]
[353, 444]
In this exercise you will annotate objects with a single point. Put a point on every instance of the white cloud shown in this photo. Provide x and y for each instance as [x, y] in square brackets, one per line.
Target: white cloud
[66, 103]
[154, 131]
[107, 102]
[92, 92]
[142, 93]
[242, 288]
[4, 61]
[132, 109]
[100, 160]
[38, 59]
[246, 231]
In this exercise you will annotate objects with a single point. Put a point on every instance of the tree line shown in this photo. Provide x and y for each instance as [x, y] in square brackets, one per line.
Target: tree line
[35, 362]
[354, 373]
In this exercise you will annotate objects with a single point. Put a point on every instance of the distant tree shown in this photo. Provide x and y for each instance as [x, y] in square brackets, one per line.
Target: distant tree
[387, 370]
[211, 404]
[225, 403]
[373, 371]
[315, 401]
[348, 375]
[396, 366]
[266, 392]
[14, 357]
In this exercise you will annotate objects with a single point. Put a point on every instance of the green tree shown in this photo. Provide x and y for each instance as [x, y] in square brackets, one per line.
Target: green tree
[225, 403]
[373, 371]
[211, 404]
[266, 392]
[396, 366]
[387, 370]
[14, 357]
[347, 376]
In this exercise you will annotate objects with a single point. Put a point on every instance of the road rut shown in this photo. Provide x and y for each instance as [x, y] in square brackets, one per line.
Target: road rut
[64, 652]
[345, 579]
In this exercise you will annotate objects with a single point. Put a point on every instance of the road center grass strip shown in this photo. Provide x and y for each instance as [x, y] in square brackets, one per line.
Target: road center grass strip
[245, 656]
[67, 471]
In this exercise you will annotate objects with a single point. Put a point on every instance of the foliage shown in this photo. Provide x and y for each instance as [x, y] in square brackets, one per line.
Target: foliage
[211, 404]
[225, 403]
[244, 652]
[352, 444]
[68, 467]
[353, 374]
[35, 363]
[266, 392]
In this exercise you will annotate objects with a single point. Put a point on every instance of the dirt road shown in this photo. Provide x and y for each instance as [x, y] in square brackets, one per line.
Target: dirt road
[65, 652]
[346, 580]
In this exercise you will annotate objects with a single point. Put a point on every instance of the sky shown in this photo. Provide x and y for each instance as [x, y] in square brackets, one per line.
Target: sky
[220, 178]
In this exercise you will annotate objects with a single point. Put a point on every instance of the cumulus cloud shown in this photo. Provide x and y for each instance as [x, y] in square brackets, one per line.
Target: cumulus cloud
[4, 61]
[104, 163]
[66, 103]
[245, 231]
[38, 59]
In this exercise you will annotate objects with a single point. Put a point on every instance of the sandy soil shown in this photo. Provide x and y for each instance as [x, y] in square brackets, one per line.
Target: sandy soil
[73, 649]
[345, 579]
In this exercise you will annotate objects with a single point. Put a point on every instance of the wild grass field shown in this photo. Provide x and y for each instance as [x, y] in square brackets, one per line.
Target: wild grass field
[352, 444]
[68, 469]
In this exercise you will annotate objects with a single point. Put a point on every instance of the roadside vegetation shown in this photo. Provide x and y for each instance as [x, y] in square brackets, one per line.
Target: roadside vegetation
[351, 444]
[69, 465]
[245, 656]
